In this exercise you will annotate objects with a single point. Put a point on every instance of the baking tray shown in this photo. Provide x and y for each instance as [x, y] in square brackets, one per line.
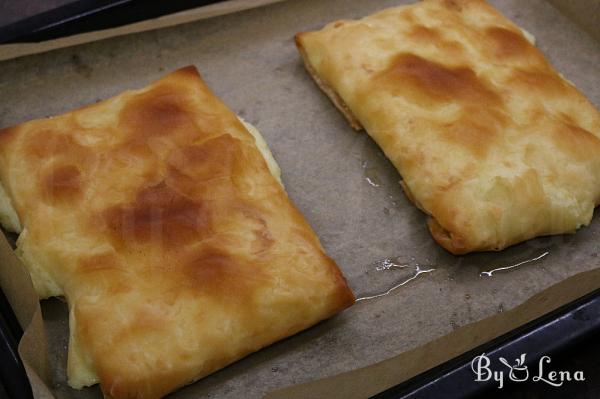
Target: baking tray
[13, 380]
[80, 16]
[541, 331]
[551, 335]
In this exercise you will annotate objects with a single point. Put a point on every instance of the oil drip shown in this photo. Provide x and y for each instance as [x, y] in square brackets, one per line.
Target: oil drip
[505, 268]
[370, 174]
[409, 271]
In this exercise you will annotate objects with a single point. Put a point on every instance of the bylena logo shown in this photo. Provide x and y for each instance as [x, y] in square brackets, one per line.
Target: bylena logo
[519, 372]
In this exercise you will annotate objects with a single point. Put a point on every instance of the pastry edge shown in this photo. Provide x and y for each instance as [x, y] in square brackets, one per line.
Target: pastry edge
[442, 236]
[326, 88]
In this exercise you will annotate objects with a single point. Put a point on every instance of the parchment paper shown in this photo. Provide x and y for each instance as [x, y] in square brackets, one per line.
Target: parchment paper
[344, 186]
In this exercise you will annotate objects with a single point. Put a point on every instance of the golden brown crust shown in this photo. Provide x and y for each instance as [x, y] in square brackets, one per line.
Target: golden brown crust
[156, 216]
[472, 115]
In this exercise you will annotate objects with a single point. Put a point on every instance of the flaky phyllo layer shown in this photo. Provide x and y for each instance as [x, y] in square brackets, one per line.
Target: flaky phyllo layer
[490, 140]
[161, 218]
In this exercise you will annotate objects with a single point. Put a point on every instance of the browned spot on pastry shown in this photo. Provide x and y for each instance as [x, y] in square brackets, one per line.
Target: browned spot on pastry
[575, 140]
[99, 262]
[108, 271]
[157, 112]
[540, 81]
[214, 272]
[475, 129]
[428, 82]
[421, 32]
[431, 36]
[262, 239]
[212, 159]
[46, 143]
[61, 184]
[206, 170]
[408, 16]
[7, 135]
[159, 214]
[506, 42]
[510, 44]
[454, 5]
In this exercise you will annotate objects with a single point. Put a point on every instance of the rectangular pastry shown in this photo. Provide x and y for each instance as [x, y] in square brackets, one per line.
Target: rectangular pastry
[160, 217]
[491, 141]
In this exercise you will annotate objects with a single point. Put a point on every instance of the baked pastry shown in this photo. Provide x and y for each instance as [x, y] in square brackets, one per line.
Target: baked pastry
[492, 142]
[161, 219]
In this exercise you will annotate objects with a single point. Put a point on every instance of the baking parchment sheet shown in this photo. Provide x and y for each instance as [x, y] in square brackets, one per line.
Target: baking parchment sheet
[338, 178]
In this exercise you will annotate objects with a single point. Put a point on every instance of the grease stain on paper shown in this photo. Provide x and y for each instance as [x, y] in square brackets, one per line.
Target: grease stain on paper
[371, 175]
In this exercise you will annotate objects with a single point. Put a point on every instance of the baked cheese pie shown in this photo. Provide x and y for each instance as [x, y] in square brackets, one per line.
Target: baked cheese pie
[491, 141]
[160, 217]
